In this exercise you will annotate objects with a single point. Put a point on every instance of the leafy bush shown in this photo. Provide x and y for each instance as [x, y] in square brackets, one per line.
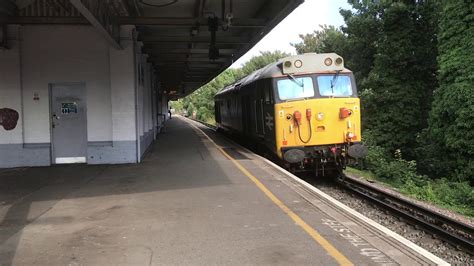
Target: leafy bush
[452, 114]
[402, 175]
[458, 196]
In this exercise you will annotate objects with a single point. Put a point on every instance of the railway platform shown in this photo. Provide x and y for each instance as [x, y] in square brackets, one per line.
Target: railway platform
[197, 198]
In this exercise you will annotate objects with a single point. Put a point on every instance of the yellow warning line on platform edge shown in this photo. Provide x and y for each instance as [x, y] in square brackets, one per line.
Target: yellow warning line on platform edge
[338, 256]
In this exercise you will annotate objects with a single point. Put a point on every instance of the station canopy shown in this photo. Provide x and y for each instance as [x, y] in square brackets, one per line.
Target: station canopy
[189, 42]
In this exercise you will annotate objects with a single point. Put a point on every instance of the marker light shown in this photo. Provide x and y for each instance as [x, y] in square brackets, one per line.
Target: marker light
[320, 116]
[328, 61]
[298, 63]
[351, 136]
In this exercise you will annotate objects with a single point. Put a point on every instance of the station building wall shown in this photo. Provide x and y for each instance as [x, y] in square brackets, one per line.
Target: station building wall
[119, 91]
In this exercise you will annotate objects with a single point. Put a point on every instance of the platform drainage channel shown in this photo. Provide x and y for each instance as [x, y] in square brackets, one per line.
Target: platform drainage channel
[235, 154]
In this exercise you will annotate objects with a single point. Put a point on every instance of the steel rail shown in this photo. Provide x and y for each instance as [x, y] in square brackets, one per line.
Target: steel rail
[415, 214]
[211, 126]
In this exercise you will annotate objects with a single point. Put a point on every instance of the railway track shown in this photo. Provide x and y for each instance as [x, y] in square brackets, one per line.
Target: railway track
[211, 126]
[450, 230]
[456, 233]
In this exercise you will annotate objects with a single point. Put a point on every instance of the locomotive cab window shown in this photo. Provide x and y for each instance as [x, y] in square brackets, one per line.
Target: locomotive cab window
[335, 85]
[295, 88]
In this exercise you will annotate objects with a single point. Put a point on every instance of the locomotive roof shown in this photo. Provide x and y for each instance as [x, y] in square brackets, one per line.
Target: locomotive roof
[280, 68]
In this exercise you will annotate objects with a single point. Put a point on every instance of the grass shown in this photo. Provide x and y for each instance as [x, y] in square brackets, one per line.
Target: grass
[359, 173]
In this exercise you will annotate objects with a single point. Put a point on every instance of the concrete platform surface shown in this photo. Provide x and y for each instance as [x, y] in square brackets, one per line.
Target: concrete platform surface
[193, 200]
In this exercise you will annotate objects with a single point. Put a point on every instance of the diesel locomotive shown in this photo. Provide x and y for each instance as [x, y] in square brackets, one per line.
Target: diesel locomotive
[302, 110]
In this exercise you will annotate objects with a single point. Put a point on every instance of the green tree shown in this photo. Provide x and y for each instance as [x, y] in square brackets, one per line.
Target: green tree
[451, 120]
[327, 40]
[177, 105]
[262, 60]
[363, 32]
[425, 17]
[399, 86]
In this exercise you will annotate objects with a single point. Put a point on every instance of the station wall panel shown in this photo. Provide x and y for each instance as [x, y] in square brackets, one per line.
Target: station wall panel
[64, 54]
[120, 119]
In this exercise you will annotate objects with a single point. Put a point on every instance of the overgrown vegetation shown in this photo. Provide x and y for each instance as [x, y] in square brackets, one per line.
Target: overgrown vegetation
[450, 135]
[402, 174]
[414, 66]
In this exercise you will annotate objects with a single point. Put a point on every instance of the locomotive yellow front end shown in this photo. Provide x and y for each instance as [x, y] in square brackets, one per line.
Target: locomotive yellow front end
[317, 113]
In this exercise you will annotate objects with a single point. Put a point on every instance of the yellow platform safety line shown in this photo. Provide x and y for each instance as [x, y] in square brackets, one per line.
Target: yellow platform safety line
[338, 256]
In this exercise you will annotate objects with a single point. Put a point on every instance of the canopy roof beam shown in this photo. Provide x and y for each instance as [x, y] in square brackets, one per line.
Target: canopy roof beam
[102, 21]
[190, 39]
[138, 21]
[195, 51]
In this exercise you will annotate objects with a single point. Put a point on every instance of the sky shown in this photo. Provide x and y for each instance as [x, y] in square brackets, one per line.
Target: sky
[304, 19]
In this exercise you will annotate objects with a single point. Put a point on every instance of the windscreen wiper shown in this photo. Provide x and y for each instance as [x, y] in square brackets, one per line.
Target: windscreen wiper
[334, 80]
[299, 83]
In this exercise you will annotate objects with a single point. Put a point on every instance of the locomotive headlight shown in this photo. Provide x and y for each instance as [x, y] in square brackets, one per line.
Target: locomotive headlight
[338, 61]
[328, 61]
[287, 63]
[320, 116]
